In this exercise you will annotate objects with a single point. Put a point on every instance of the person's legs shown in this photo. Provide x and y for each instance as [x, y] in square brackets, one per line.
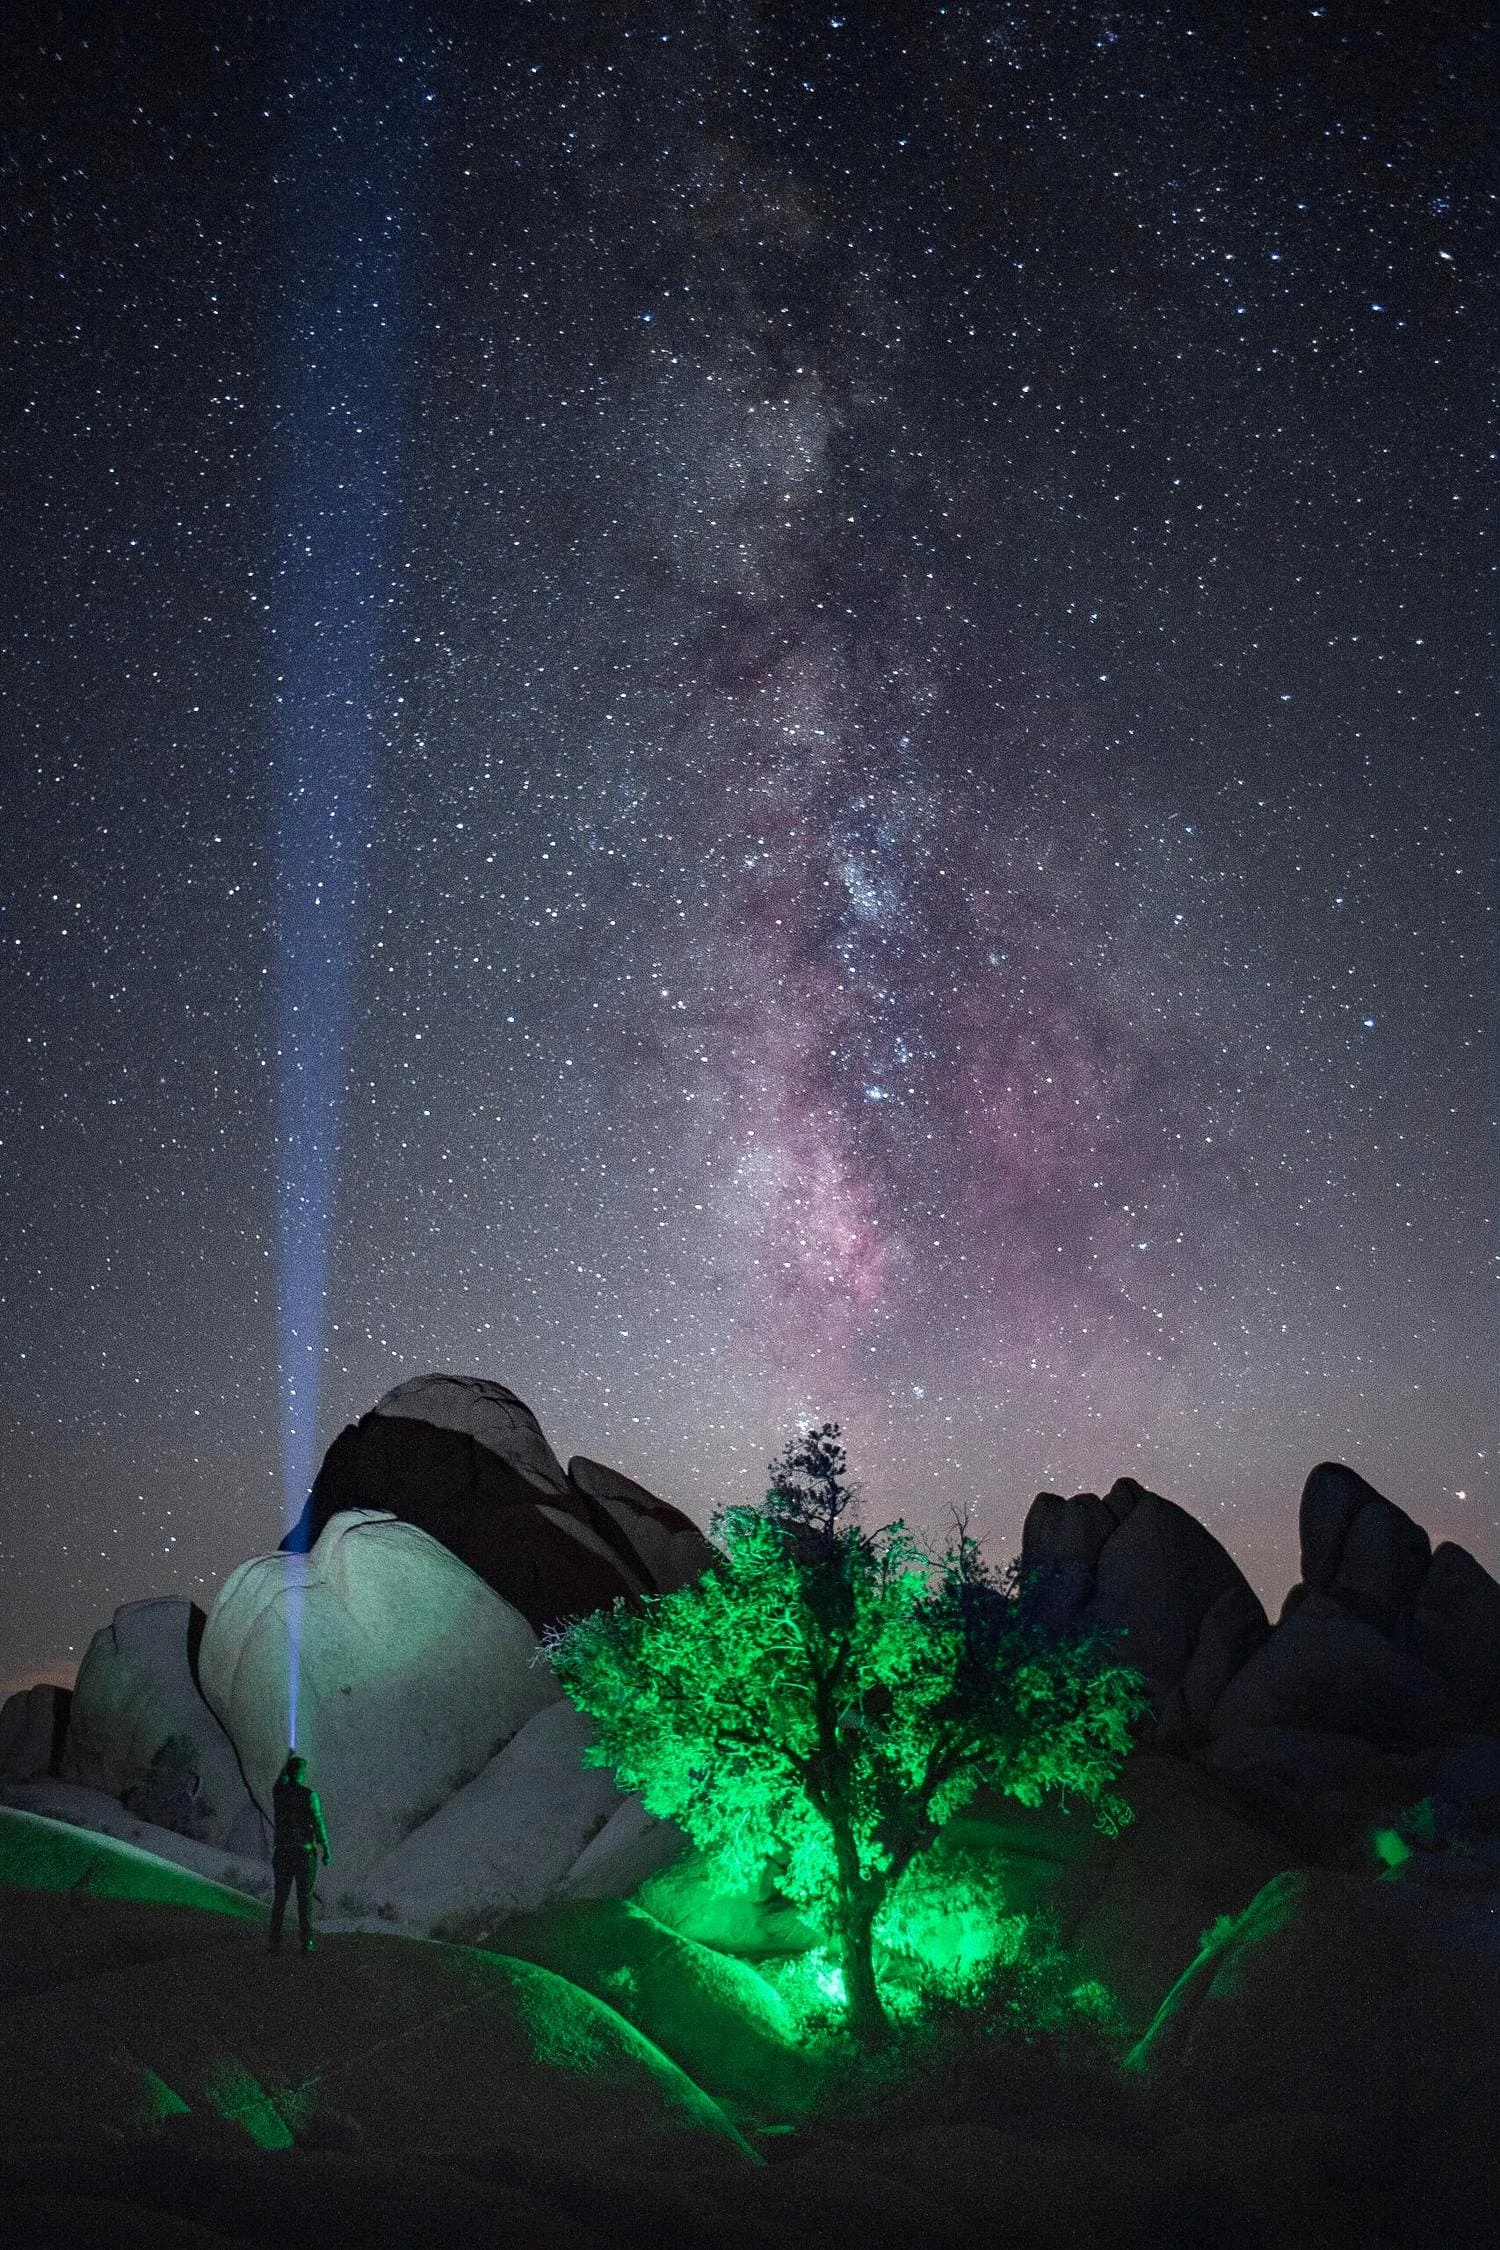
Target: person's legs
[305, 1870]
[283, 1873]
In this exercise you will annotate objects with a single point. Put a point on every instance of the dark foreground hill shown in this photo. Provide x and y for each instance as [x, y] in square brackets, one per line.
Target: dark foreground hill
[166, 2081]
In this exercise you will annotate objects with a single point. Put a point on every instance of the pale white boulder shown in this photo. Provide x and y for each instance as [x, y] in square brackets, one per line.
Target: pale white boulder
[412, 1674]
[487, 1412]
[137, 1706]
[504, 1844]
[631, 1846]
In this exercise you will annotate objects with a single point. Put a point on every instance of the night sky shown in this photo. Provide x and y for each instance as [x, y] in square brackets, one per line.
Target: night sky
[736, 711]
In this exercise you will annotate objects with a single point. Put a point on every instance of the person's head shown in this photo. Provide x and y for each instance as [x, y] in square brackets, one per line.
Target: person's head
[295, 1767]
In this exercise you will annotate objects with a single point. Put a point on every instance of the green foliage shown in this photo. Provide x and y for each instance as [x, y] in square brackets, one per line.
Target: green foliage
[825, 1699]
[945, 1931]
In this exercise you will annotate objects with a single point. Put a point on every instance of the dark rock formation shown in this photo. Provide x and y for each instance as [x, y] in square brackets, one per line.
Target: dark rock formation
[1455, 1628]
[1360, 1548]
[1133, 1908]
[1327, 1669]
[1340, 1996]
[33, 1728]
[661, 1540]
[1136, 1563]
[554, 1545]
[1464, 1803]
[1382, 1639]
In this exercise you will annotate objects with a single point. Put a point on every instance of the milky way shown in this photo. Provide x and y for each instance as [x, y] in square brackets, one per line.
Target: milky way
[924, 846]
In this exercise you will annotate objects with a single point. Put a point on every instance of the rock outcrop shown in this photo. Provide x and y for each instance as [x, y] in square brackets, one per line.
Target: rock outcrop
[666, 1548]
[1133, 1907]
[1336, 1995]
[1382, 1639]
[1454, 1629]
[631, 1847]
[139, 1727]
[1324, 1667]
[247, 1873]
[466, 1462]
[716, 2015]
[410, 1673]
[415, 2047]
[33, 1729]
[1141, 1566]
[1358, 1548]
[504, 1843]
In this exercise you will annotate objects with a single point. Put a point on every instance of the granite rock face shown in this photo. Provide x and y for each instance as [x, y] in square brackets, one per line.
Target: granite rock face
[1359, 1548]
[1140, 1565]
[138, 1724]
[1454, 1628]
[666, 1548]
[631, 1847]
[411, 1673]
[33, 1728]
[504, 1844]
[1335, 1995]
[466, 1462]
[1325, 1668]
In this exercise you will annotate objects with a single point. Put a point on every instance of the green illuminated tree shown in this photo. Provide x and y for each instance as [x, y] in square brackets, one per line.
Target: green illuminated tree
[825, 1699]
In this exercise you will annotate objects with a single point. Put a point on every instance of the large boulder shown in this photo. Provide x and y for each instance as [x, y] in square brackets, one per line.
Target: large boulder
[1455, 1629]
[1359, 1548]
[487, 1412]
[505, 1843]
[33, 1728]
[1133, 1906]
[408, 1671]
[1140, 1565]
[718, 2018]
[466, 1461]
[1327, 1669]
[1338, 1995]
[665, 1547]
[631, 1847]
[139, 1727]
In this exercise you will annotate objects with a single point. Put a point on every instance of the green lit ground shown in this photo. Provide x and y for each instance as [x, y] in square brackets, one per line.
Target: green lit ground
[49, 1855]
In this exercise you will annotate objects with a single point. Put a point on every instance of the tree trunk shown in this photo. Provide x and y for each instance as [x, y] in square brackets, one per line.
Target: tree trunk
[867, 2017]
[858, 1896]
[857, 1907]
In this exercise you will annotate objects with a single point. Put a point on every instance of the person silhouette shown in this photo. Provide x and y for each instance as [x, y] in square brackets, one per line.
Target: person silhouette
[301, 1839]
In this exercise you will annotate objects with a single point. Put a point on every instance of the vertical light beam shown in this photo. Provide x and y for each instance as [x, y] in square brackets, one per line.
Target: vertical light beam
[344, 193]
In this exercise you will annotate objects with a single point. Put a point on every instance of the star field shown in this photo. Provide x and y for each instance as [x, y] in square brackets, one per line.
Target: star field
[912, 834]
